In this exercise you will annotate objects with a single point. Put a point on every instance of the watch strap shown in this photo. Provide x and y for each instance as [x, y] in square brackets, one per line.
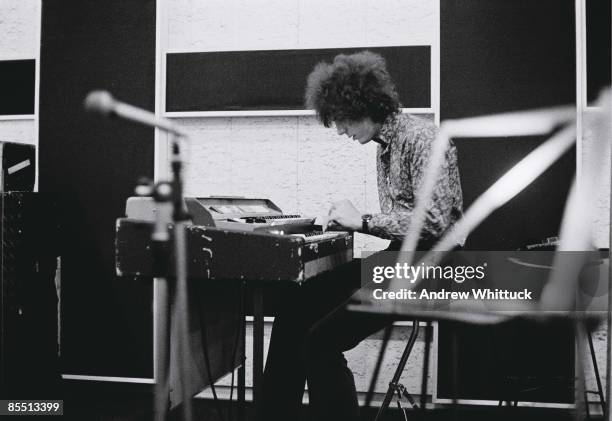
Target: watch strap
[365, 220]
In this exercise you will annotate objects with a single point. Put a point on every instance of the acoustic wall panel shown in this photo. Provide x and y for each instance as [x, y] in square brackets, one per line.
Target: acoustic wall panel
[498, 56]
[598, 46]
[17, 84]
[534, 214]
[507, 55]
[93, 163]
[276, 79]
[503, 55]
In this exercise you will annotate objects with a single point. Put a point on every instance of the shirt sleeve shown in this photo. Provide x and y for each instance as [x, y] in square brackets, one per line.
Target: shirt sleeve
[395, 225]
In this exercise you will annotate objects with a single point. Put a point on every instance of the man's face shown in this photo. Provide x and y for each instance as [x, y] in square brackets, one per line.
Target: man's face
[360, 130]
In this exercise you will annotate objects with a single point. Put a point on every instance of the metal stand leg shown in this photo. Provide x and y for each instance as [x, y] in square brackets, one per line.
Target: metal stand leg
[258, 357]
[241, 391]
[242, 369]
[394, 385]
[181, 313]
[425, 367]
[381, 356]
[161, 349]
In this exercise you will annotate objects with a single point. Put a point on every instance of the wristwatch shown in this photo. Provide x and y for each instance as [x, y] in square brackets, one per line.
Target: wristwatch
[365, 219]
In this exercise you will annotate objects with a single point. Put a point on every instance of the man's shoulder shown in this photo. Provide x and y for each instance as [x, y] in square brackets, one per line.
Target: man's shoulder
[402, 128]
[416, 129]
[416, 121]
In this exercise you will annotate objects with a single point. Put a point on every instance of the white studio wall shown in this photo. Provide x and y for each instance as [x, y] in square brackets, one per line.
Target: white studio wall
[601, 202]
[289, 158]
[20, 40]
[587, 132]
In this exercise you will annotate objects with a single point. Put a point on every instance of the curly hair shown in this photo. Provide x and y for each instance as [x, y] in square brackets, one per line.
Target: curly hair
[352, 88]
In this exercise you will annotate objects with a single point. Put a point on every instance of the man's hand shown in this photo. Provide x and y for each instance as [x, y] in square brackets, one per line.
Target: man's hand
[345, 215]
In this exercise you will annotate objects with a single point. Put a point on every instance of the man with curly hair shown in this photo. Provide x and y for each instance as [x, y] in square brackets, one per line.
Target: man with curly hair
[356, 94]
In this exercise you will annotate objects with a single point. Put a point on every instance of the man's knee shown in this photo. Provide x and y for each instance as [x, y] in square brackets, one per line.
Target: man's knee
[327, 344]
[321, 359]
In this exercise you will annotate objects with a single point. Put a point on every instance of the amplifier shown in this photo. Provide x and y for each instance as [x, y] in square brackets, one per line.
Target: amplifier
[18, 167]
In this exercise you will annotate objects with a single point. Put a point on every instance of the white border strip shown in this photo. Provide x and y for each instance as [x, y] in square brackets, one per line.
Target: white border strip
[268, 113]
[298, 47]
[161, 158]
[15, 117]
[37, 94]
[17, 56]
[398, 323]
[580, 84]
[108, 379]
[434, 76]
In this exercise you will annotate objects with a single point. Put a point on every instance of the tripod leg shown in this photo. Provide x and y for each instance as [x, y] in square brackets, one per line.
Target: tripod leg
[409, 398]
[596, 370]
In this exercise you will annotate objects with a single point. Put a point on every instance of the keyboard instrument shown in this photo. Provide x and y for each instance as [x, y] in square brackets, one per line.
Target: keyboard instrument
[236, 238]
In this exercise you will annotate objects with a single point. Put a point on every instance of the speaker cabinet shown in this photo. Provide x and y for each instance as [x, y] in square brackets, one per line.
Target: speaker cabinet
[28, 301]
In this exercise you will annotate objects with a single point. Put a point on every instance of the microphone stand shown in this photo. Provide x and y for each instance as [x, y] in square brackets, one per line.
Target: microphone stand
[164, 193]
[171, 193]
[181, 221]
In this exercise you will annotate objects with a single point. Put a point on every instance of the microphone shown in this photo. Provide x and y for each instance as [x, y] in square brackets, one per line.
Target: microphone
[103, 102]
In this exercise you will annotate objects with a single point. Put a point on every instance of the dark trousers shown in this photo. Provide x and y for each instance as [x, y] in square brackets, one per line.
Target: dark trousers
[310, 333]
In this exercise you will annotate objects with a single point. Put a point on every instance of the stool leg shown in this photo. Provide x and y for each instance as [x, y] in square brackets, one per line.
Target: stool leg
[381, 355]
[425, 367]
[398, 372]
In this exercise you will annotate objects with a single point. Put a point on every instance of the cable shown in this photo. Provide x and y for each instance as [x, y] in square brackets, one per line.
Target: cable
[401, 409]
[236, 345]
[230, 410]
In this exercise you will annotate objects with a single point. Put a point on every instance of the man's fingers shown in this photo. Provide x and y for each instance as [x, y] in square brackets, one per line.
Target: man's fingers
[322, 220]
[333, 224]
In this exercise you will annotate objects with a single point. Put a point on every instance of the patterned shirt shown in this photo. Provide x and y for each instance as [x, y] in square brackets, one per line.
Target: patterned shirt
[401, 165]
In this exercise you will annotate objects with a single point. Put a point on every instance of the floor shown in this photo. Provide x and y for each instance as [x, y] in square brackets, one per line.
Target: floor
[119, 402]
